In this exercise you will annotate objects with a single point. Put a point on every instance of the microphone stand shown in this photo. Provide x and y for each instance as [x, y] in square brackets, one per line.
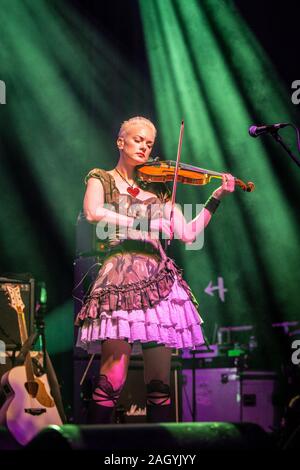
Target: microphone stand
[194, 401]
[279, 139]
[40, 327]
[40, 312]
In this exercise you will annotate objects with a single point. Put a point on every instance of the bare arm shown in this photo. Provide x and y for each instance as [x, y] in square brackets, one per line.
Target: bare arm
[187, 231]
[94, 210]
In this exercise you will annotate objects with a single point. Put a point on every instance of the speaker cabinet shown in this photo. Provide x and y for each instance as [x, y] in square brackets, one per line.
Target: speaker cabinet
[131, 406]
[9, 328]
[258, 392]
[228, 395]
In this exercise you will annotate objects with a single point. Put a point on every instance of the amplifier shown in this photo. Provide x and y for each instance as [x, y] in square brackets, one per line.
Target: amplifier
[131, 406]
[87, 242]
[132, 403]
[227, 394]
[9, 328]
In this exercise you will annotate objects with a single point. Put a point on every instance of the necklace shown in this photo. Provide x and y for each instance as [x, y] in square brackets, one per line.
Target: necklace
[131, 190]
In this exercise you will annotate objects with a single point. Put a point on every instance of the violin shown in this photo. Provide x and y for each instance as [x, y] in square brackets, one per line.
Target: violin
[158, 171]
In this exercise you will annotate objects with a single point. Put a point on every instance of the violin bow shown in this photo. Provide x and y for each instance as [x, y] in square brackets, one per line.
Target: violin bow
[175, 182]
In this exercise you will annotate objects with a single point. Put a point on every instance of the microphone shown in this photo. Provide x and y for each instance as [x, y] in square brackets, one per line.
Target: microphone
[255, 131]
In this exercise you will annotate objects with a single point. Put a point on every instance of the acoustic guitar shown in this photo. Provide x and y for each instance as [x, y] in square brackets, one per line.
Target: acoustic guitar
[28, 406]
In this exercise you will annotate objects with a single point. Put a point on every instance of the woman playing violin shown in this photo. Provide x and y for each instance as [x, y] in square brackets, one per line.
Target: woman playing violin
[139, 295]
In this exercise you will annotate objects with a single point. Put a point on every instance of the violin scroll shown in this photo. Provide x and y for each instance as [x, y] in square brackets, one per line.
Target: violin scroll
[248, 187]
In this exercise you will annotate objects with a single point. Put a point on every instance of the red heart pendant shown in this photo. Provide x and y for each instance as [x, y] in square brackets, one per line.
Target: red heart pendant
[133, 191]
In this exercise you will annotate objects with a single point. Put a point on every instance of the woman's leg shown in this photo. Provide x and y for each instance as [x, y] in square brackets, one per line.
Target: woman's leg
[115, 357]
[157, 367]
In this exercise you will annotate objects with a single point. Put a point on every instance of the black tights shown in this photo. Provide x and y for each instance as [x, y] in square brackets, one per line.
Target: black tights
[158, 394]
[108, 385]
[103, 392]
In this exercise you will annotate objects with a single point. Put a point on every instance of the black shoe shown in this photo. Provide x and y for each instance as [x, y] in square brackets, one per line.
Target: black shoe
[98, 414]
[159, 413]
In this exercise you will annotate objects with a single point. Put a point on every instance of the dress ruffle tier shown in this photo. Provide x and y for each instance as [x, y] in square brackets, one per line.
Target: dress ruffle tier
[166, 313]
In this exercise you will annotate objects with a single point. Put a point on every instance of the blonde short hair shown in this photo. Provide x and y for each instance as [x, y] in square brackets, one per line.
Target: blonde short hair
[133, 121]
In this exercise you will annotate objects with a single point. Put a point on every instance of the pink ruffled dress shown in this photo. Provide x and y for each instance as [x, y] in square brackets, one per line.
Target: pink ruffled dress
[139, 294]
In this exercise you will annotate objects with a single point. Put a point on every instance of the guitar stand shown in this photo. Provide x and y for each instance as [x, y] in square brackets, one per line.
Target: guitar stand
[47, 364]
